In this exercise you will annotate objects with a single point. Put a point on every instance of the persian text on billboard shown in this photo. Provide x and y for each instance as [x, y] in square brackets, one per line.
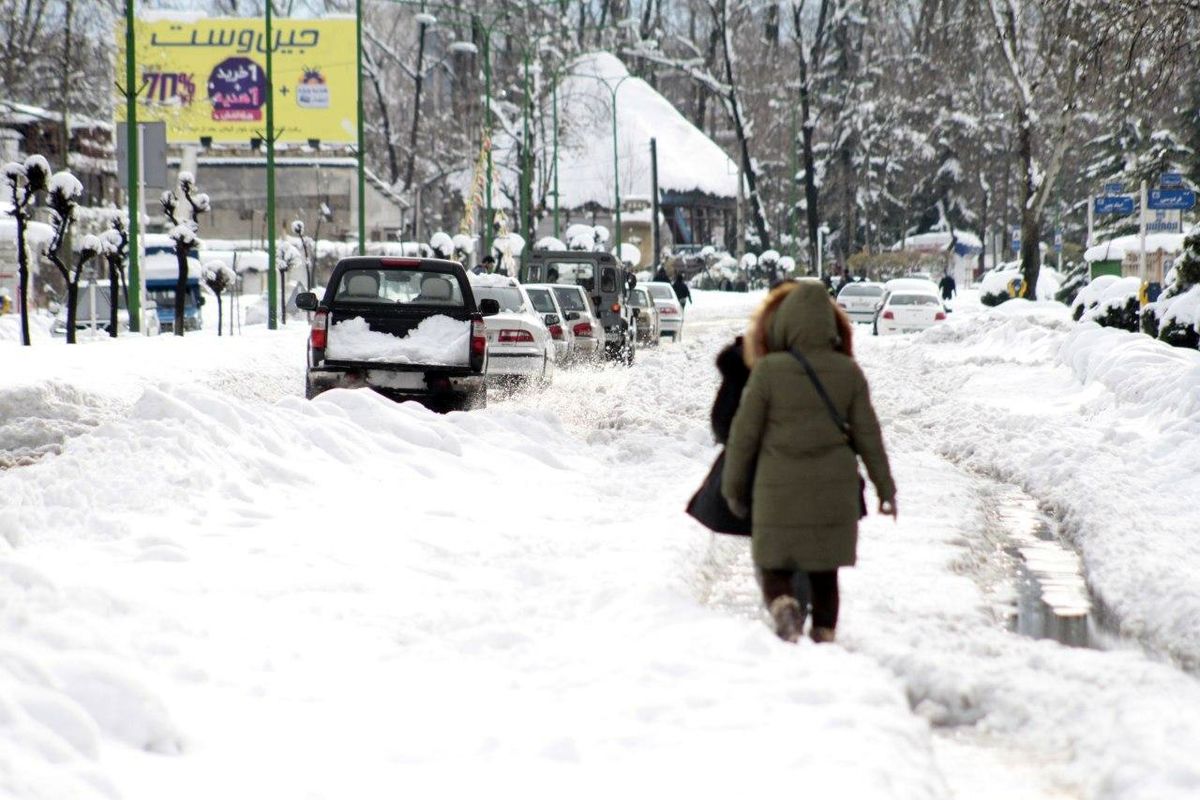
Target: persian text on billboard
[208, 78]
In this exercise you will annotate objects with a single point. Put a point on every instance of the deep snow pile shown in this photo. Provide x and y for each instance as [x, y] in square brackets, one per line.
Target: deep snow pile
[339, 597]
[436, 340]
[1110, 442]
[282, 598]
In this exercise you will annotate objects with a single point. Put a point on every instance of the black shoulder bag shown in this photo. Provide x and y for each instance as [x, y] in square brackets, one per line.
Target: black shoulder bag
[839, 421]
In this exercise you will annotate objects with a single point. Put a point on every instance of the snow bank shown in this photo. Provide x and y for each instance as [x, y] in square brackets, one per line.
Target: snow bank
[997, 282]
[436, 340]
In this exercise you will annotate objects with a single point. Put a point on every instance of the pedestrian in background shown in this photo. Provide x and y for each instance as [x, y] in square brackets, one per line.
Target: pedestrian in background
[682, 293]
[793, 453]
[948, 286]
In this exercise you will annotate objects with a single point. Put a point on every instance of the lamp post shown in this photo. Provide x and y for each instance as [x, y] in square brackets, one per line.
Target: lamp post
[612, 91]
[822, 232]
[272, 284]
[362, 166]
[132, 160]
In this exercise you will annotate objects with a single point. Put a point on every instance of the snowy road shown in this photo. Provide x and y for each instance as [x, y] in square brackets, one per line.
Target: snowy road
[216, 589]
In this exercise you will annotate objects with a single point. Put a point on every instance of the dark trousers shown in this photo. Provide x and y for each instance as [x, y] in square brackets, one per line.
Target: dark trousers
[818, 588]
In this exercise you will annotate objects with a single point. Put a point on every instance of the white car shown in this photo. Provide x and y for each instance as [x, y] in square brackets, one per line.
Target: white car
[860, 300]
[555, 317]
[906, 311]
[519, 344]
[912, 285]
[670, 312]
[587, 330]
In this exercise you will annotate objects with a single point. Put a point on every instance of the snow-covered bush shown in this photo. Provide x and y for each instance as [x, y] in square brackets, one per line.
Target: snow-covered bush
[549, 243]
[442, 245]
[1179, 319]
[183, 231]
[1117, 305]
[1088, 296]
[24, 183]
[1004, 283]
[219, 278]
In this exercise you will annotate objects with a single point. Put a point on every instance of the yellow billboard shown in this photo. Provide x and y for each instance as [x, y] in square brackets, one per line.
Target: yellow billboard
[207, 78]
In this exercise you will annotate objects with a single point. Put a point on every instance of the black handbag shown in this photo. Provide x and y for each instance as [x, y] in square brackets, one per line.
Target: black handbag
[708, 506]
[841, 423]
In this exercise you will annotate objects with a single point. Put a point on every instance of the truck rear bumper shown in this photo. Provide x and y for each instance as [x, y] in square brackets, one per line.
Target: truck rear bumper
[439, 391]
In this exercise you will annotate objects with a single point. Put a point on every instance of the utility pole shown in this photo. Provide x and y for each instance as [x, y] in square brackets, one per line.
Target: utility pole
[133, 157]
[1142, 236]
[657, 232]
[554, 103]
[272, 278]
[488, 213]
[362, 168]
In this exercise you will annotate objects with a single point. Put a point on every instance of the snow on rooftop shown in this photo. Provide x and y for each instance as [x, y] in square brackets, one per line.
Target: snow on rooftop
[687, 159]
[940, 240]
[1116, 249]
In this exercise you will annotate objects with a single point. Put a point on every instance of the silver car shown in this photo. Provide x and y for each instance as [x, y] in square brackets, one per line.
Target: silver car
[860, 300]
[587, 330]
[558, 321]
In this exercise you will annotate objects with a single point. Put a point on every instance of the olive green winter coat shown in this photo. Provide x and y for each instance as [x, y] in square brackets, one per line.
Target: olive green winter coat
[806, 493]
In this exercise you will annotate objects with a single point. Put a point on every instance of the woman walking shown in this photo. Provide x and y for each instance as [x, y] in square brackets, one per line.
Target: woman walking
[792, 453]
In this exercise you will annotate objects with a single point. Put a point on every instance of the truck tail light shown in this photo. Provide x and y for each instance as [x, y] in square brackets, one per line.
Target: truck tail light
[556, 332]
[583, 329]
[616, 308]
[320, 329]
[400, 262]
[888, 315]
[478, 337]
[511, 336]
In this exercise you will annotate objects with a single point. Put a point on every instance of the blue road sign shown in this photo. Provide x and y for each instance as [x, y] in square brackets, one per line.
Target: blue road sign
[1171, 180]
[1115, 204]
[1058, 241]
[1114, 188]
[1170, 199]
[1016, 240]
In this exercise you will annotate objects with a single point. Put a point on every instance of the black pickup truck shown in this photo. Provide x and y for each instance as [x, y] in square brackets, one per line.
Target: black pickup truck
[408, 328]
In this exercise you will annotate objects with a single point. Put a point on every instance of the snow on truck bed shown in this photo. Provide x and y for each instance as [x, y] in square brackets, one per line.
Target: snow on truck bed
[437, 340]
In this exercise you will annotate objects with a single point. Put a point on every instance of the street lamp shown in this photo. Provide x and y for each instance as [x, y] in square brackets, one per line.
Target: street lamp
[822, 232]
[612, 91]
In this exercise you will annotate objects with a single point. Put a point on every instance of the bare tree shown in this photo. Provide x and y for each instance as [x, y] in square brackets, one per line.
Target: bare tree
[183, 232]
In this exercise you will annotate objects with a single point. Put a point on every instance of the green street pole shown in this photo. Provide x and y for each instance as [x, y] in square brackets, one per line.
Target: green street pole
[132, 159]
[526, 163]
[272, 279]
[487, 133]
[616, 163]
[362, 168]
[554, 104]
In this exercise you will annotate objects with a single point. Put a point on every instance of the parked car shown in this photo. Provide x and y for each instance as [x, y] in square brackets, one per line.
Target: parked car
[520, 347]
[904, 311]
[670, 312]
[861, 300]
[587, 330]
[607, 284]
[160, 269]
[558, 321]
[408, 328]
[647, 316]
[94, 312]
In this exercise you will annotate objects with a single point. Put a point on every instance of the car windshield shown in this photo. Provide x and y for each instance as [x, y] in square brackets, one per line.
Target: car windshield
[166, 297]
[661, 292]
[542, 301]
[509, 297]
[568, 273]
[570, 299]
[638, 298]
[913, 300]
[859, 290]
[402, 286]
